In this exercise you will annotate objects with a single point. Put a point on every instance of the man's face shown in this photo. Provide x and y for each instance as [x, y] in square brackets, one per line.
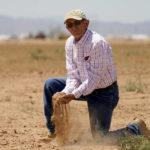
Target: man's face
[76, 27]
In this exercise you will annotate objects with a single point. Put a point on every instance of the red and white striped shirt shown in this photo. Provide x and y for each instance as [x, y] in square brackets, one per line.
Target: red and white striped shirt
[89, 64]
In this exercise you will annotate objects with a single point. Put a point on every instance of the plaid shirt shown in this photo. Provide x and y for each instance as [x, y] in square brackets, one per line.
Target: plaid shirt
[89, 64]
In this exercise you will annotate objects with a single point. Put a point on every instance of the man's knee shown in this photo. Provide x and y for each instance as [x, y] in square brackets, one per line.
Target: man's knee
[54, 85]
[49, 83]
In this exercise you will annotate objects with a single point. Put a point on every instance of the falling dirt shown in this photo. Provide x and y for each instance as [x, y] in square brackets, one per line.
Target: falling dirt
[61, 119]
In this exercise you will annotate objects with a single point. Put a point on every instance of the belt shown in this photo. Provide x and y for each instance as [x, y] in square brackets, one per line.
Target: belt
[108, 87]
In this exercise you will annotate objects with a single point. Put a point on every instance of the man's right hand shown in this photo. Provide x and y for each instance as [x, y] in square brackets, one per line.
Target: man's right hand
[57, 97]
[62, 98]
[58, 94]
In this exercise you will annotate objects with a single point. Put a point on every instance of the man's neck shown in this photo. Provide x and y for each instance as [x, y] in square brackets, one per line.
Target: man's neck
[78, 39]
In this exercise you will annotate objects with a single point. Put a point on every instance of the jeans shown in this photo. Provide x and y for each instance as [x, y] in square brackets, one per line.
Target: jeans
[101, 103]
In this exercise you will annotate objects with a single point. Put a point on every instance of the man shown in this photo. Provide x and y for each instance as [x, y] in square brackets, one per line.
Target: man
[91, 75]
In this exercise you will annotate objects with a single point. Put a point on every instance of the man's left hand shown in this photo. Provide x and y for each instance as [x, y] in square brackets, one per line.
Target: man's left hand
[66, 98]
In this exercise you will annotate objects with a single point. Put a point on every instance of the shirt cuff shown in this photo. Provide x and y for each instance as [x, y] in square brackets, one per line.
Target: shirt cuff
[76, 93]
[65, 91]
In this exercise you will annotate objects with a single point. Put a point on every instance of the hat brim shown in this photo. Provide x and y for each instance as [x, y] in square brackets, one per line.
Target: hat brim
[73, 17]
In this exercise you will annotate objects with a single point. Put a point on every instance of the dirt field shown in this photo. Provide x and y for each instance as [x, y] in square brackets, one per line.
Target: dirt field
[24, 67]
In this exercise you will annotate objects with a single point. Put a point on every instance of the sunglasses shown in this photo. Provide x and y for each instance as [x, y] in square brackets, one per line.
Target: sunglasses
[76, 23]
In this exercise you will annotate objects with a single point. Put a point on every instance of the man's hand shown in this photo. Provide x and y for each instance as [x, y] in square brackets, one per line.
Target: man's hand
[67, 98]
[57, 96]
[62, 98]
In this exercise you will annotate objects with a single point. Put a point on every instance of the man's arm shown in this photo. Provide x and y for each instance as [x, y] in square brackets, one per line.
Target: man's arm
[73, 80]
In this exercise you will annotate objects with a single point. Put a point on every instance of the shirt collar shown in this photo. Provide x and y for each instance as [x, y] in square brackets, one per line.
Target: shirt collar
[83, 39]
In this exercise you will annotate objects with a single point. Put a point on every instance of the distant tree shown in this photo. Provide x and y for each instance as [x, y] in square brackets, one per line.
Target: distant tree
[40, 35]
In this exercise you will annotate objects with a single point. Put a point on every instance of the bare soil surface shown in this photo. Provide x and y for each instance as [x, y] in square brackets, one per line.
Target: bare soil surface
[24, 67]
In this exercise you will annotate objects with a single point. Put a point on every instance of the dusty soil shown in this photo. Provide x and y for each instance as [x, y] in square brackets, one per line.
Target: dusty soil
[24, 67]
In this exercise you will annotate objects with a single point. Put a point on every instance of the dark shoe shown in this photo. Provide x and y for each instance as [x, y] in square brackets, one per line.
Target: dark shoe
[144, 129]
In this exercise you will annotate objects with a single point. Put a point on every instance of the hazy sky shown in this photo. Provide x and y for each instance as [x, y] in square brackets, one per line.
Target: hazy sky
[127, 11]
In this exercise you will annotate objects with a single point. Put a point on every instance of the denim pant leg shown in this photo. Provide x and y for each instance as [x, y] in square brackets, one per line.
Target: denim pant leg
[101, 104]
[100, 118]
[133, 129]
[51, 86]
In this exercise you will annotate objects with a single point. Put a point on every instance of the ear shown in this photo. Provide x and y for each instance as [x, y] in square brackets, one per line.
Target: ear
[87, 22]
